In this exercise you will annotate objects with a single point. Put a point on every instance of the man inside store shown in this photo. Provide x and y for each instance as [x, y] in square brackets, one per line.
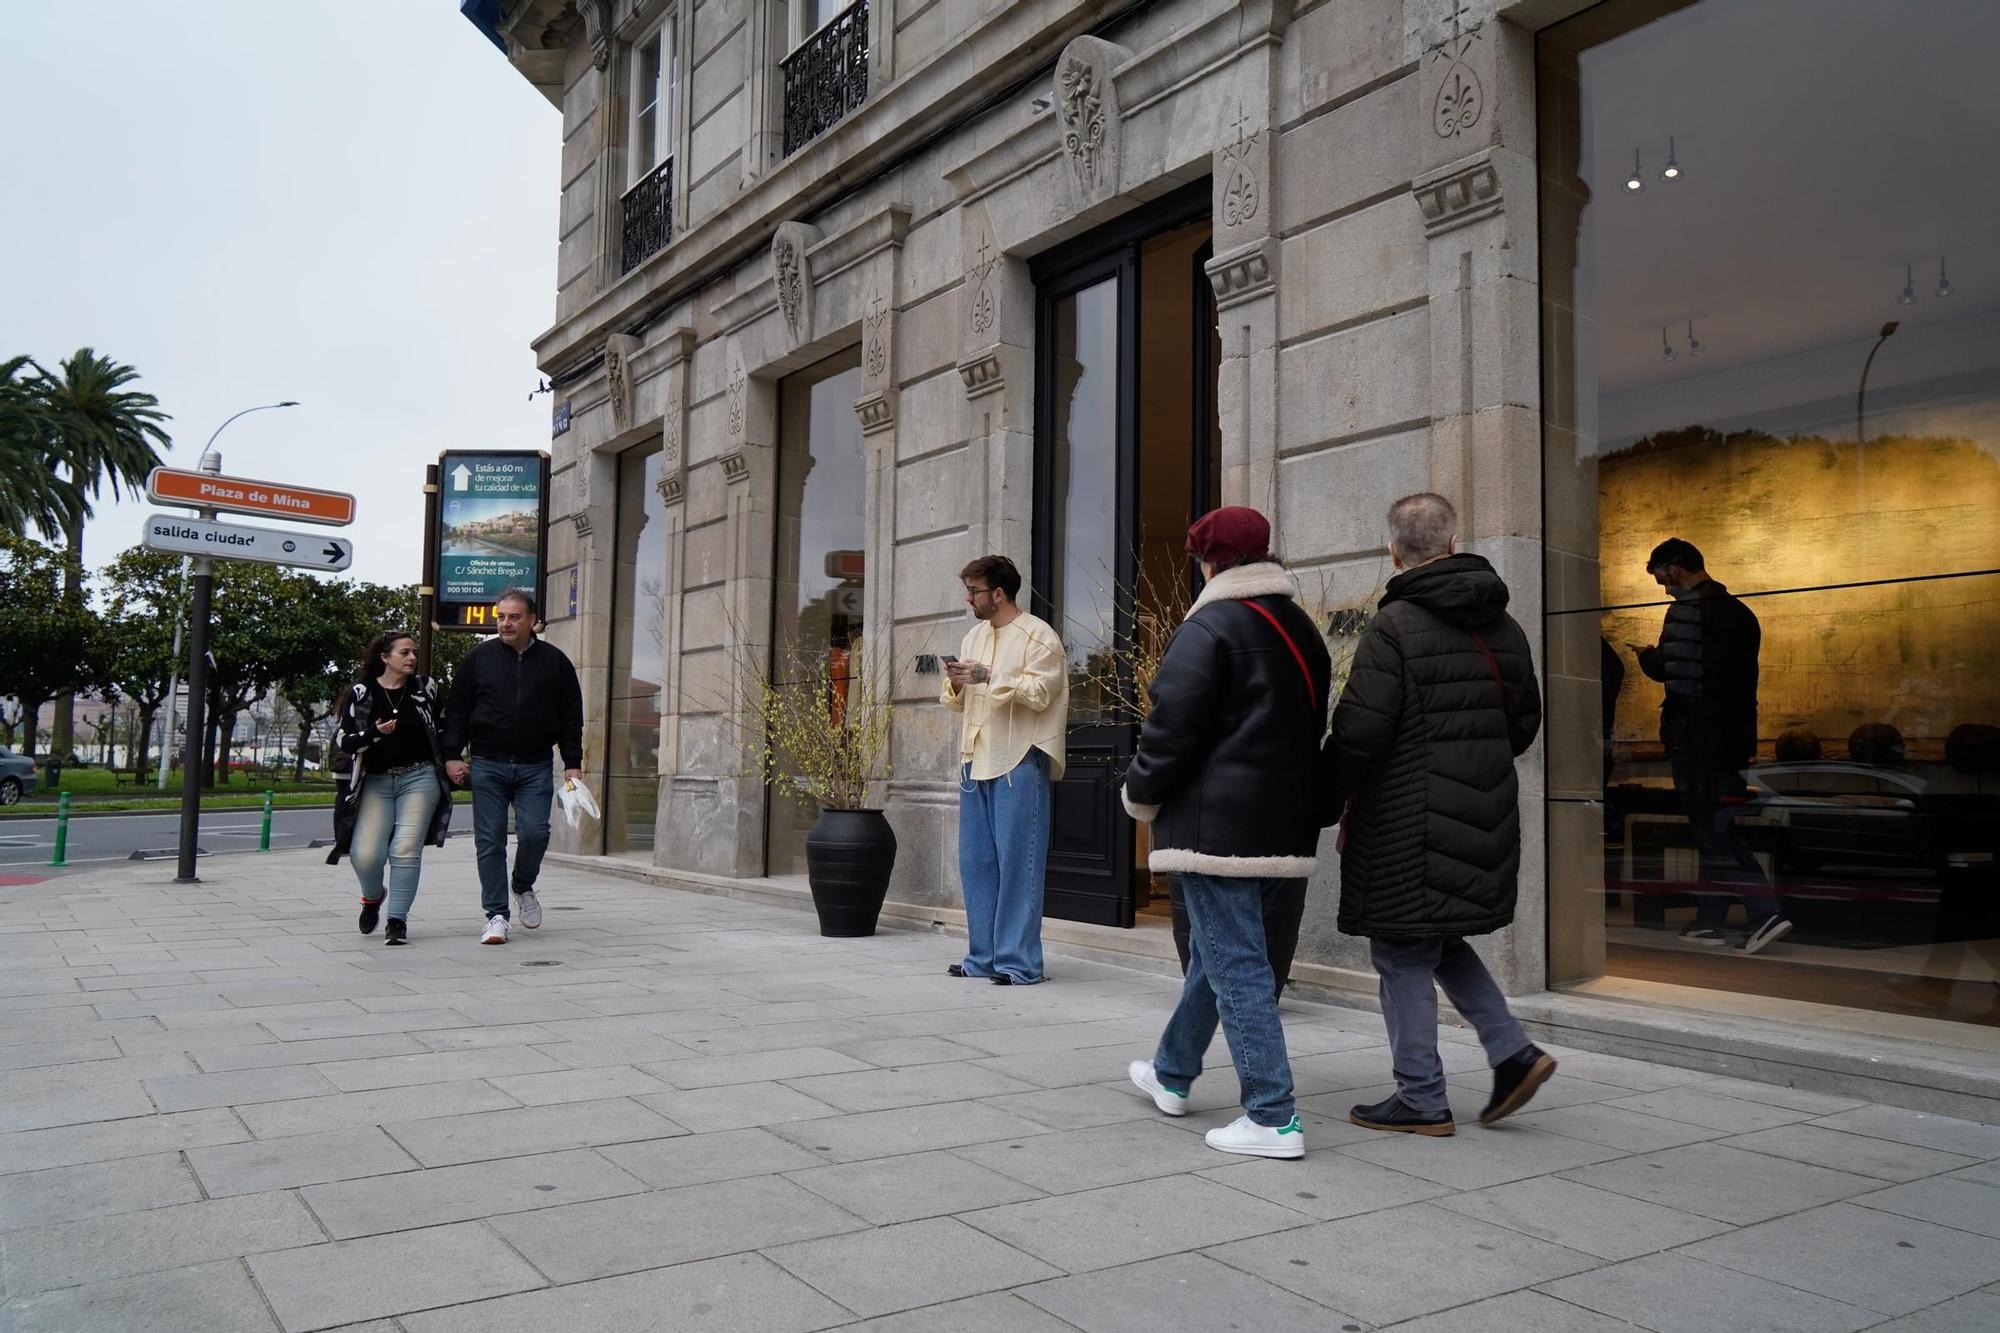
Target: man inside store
[1707, 659]
[1010, 681]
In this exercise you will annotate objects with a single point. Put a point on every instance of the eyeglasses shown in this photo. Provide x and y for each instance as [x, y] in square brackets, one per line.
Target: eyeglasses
[975, 592]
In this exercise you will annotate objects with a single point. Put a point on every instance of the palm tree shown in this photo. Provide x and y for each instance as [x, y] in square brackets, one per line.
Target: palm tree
[32, 496]
[100, 432]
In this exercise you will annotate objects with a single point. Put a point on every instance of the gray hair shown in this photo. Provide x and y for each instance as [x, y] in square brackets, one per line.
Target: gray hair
[1421, 527]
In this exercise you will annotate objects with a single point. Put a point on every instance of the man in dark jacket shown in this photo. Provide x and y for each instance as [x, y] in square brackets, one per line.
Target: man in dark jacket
[1707, 659]
[1441, 700]
[513, 699]
[1227, 774]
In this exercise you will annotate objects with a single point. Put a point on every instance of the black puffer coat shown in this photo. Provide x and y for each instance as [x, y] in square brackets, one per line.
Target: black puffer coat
[1227, 769]
[1441, 699]
[1707, 659]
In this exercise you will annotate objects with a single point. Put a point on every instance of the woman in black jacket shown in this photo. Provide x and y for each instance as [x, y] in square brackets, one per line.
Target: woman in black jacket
[398, 793]
[1227, 774]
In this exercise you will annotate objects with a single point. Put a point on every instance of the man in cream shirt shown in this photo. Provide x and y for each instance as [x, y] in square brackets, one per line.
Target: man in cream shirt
[1011, 682]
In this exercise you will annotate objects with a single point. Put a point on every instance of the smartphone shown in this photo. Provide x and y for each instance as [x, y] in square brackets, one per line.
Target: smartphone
[947, 658]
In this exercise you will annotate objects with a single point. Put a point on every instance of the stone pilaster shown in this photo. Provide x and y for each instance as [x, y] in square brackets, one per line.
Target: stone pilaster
[996, 366]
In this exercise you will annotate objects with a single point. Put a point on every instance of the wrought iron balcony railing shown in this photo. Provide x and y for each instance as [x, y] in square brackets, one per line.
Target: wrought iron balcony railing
[649, 216]
[827, 77]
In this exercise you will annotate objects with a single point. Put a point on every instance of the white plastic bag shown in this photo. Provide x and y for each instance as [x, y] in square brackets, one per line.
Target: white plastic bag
[576, 801]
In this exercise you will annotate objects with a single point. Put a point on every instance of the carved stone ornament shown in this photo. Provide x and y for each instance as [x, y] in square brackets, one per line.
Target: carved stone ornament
[735, 468]
[670, 420]
[597, 26]
[1087, 113]
[982, 257]
[619, 349]
[670, 489]
[1460, 102]
[877, 328]
[736, 392]
[792, 276]
[1244, 274]
[1458, 196]
[982, 373]
[1242, 191]
[580, 520]
[877, 411]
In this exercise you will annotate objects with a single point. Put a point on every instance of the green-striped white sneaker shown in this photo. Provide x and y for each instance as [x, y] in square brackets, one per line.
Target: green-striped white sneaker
[1246, 1137]
[1148, 1082]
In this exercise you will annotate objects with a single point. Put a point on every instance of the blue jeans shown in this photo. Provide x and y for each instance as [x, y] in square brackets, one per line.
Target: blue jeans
[1003, 854]
[390, 823]
[1229, 977]
[530, 789]
[1409, 1008]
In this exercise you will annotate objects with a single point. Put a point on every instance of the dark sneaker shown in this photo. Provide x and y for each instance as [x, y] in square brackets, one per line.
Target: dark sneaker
[1705, 935]
[1768, 932]
[1515, 1082]
[1395, 1114]
[370, 914]
[396, 932]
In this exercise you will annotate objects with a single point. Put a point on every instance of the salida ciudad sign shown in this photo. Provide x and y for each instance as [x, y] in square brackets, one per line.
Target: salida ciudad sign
[491, 532]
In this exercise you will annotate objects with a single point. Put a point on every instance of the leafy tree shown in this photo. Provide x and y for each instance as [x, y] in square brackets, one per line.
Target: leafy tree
[100, 433]
[32, 497]
[253, 621]
[146, 598]
[49, 641]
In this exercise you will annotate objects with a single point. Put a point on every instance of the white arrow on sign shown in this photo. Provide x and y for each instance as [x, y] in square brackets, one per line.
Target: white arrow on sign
[229, 541]
[461, 477]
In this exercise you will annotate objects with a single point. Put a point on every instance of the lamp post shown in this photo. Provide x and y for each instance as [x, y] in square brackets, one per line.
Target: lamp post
[197, 678]
[1861, 394]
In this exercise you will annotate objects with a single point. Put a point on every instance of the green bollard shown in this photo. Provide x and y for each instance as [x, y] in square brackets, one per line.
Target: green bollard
[264, 838]
[62, 830]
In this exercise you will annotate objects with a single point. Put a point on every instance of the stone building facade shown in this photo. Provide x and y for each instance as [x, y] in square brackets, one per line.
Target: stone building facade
[1074, 271]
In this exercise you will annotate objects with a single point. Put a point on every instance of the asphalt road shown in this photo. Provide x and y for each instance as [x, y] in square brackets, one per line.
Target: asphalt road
[99, 838]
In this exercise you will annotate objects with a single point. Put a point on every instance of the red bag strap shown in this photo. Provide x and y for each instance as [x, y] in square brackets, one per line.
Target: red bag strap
[1297, 656]
[1491, 665]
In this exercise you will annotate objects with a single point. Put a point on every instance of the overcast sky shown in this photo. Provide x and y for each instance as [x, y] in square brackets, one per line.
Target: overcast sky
[352, 205]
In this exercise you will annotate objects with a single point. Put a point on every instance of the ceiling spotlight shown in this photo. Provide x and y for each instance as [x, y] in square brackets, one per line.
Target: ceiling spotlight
[1634, 183]
[1672, 171]
[1694, 343]
[1908, 296]
[1666, 348]
[1944, 283]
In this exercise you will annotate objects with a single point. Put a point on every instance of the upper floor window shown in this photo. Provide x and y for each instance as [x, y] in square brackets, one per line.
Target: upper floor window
[649, 161]
[826, 74]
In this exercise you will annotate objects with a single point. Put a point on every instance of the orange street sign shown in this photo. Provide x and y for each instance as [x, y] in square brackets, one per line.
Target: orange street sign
[273, 499]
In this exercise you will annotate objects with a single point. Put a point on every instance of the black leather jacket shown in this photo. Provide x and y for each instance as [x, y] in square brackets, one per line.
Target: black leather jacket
[354, 718]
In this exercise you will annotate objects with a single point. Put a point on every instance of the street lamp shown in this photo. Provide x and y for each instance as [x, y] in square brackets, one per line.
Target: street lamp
[210, 462]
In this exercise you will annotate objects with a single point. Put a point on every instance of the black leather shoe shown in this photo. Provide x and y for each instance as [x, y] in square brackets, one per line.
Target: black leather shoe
[397, 931]
[1515, 1081]
[1002, 979]
[370, 914]
[1395, 1114]
[956, 970]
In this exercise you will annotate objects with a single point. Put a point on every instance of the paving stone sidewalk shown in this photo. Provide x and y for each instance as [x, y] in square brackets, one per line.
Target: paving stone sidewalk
[222, 1109]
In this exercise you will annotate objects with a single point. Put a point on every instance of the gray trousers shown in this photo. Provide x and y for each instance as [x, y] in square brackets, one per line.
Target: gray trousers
[1409, 1008]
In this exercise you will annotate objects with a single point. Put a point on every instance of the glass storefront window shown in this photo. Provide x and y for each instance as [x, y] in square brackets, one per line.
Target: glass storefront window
[638, 660]
[819, 574]
[1771, 335]
[1083, 542]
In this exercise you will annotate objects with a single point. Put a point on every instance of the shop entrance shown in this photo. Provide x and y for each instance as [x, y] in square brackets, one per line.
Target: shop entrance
[1126, 456]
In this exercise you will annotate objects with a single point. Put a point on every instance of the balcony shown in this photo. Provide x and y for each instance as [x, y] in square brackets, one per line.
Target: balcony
[649, 217]
[827, 77]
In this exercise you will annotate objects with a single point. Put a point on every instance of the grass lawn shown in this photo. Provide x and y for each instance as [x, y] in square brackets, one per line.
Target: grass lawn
[96, 790]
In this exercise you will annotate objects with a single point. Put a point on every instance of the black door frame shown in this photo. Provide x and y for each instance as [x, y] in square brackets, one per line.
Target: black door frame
[1096, 887]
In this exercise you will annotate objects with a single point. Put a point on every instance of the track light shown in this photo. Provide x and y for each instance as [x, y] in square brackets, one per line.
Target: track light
[1635, 183]
[1694, 343]
[1908, 296]
[1672, 171]
[1666, 348]
[1944, 284]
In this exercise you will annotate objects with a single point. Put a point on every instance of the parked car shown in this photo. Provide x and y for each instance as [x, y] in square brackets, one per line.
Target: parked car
[1861, 815]
[17, 776]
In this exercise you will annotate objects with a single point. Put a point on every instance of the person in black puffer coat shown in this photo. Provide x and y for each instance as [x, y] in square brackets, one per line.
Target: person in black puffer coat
[1227, 774]
[1420, 762]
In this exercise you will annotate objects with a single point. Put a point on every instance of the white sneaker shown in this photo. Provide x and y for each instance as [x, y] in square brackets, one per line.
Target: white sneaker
[496, 930]
[529, 908]
[1247, 1138]
[1769, 932]
[1148, 1082]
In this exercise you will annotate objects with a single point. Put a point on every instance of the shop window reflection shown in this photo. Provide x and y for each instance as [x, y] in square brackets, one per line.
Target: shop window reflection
[1854, 789]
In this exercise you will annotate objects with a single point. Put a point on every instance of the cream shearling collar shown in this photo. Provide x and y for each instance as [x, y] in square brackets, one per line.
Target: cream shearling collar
[1266, 578]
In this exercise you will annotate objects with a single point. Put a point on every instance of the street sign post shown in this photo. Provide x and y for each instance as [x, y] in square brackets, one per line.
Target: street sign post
[490, 532]
[230, 541]
[240, 495]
